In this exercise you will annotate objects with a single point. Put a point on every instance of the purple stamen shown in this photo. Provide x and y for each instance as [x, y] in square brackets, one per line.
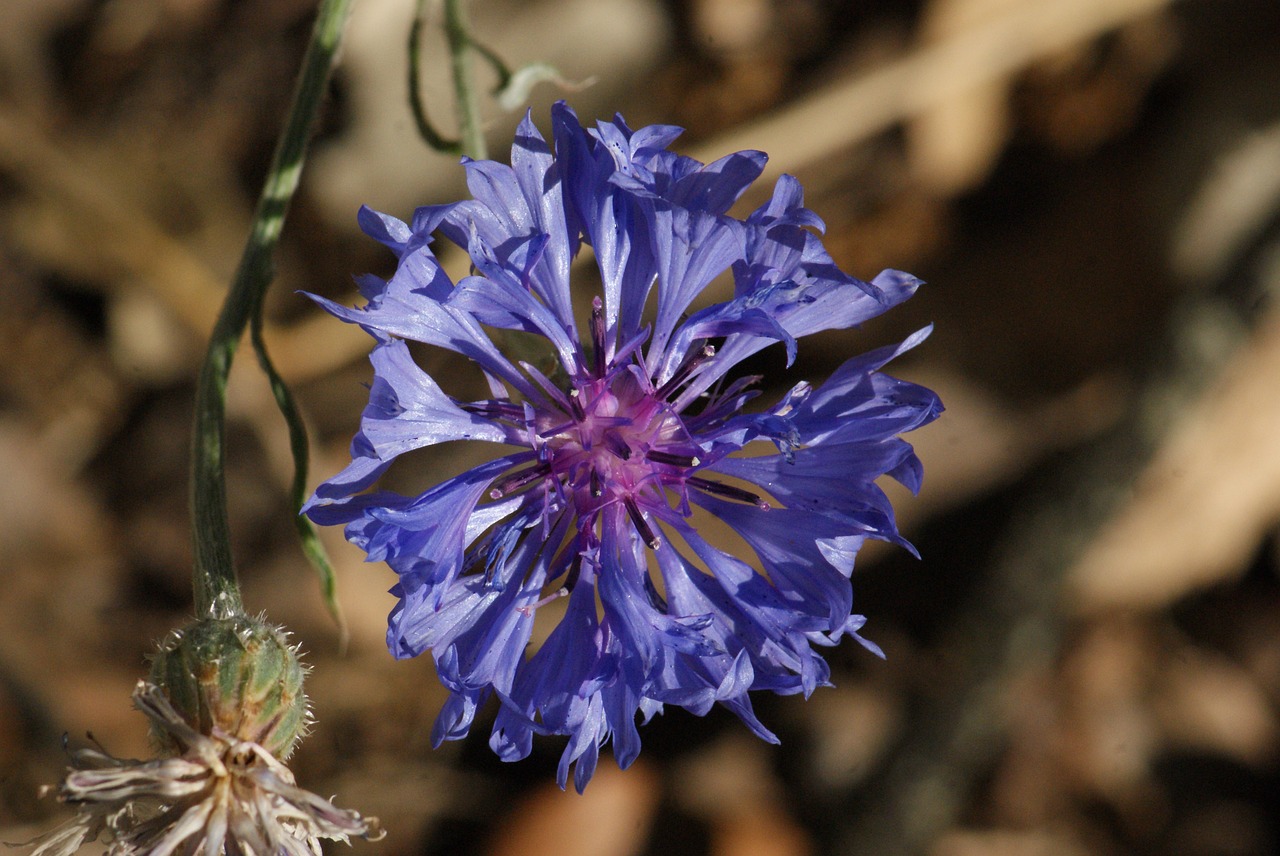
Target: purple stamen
[597, 335]
[686, 370]
[575, 571]
[642, 526]
[575, 404]
[514, 481]
[672, 460]
[496, 410]
[555, 430]
[727, 491]
[617, 445]
[531, 608]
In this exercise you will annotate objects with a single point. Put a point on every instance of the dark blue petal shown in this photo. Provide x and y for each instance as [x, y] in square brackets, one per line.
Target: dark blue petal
[741, 316]
[696, 683]
[500, 298]
[423, 539]
[384, 229]
[429, 218]
[583, 749]
[407, 410]
[651, 139]
[859, 403]
[491, 648]
[786, 542]
[851, 628]
[786, 207]
[807, 300]
[690, 249]
[558, 690]
[455, 717]
[831, 474]
[538, 174]
[827, 302]
[644, 631]
[716, 186]
[621, 702]
[365, 468]
[610, 221]
[405, 307]
[519, 202]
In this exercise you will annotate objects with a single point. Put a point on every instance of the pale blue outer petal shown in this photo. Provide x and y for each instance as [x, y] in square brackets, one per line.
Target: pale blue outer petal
[407, 410]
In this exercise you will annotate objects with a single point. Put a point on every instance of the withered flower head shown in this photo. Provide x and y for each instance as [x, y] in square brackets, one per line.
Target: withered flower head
[219, 787]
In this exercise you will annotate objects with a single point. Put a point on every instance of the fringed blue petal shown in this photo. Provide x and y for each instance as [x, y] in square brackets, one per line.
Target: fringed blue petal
[614, 450]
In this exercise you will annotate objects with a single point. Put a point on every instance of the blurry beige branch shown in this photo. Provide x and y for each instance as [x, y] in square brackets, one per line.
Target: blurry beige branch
[82, 220]
[1220, 468]
[971, 59]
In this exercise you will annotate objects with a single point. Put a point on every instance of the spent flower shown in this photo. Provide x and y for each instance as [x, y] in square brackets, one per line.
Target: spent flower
[225, 707]
[614, 453]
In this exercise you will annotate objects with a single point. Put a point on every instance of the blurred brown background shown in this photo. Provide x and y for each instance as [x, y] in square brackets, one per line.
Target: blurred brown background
[1087, 660]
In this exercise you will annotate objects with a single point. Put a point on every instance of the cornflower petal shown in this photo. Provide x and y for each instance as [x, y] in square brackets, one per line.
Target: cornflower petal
[786, 542]
[693, 247]
[393, 233]
[640, 429]
[407, 308]
[719, 184]
[407, 410]
[538, 175]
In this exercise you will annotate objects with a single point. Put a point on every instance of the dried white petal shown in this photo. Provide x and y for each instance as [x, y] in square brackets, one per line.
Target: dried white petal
[223, 795]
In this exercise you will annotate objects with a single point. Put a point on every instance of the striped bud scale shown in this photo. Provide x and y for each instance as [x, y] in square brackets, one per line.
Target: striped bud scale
[237, 675]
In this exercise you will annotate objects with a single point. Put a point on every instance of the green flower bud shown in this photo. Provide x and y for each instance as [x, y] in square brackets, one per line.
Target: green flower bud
[239, 675]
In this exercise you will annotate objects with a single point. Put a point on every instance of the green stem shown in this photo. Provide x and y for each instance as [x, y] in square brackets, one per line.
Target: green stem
[458, 32]
[217, 592]
[495, 62]
[417, 104]
[311, 546]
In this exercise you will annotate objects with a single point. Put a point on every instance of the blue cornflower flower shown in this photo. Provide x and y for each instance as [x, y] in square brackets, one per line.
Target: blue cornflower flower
[609, 456]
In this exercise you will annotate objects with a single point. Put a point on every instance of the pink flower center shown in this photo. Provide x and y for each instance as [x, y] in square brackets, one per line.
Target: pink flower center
[622, 445]
[616, 439]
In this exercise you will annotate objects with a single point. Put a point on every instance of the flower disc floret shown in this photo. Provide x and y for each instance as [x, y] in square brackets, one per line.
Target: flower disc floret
[606, 463]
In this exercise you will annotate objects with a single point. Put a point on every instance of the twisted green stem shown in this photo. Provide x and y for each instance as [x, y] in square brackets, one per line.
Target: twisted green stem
[217, 593]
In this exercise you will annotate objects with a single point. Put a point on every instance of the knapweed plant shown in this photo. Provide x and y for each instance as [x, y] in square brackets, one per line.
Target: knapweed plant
[606, 460]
